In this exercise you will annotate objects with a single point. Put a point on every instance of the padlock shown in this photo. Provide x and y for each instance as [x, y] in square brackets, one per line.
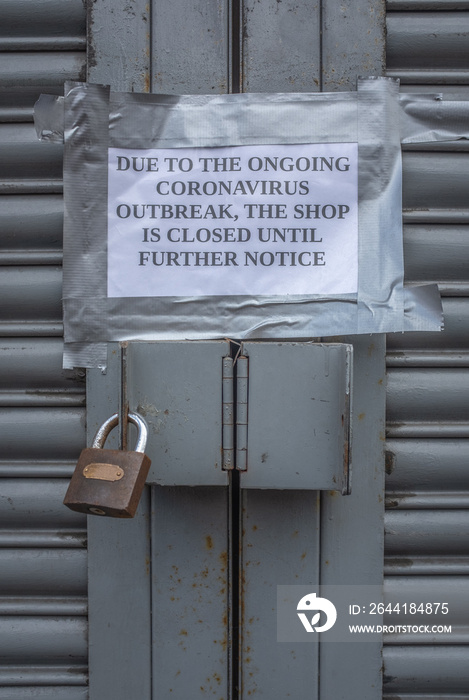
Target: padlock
[110, 482]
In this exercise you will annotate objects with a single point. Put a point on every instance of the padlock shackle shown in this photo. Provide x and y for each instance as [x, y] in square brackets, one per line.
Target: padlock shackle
[137, 420]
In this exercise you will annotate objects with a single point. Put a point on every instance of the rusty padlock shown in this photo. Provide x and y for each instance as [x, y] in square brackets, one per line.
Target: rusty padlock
[110, 482]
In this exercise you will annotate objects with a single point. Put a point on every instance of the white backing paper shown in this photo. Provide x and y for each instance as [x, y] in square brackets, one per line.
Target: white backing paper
[245, 220]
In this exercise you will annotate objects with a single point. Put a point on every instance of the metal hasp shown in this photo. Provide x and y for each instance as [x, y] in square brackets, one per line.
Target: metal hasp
[279, 413]
[179, 387]
[294, 430]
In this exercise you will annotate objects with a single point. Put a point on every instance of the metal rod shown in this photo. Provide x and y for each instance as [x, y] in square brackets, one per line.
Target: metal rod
[123, 399]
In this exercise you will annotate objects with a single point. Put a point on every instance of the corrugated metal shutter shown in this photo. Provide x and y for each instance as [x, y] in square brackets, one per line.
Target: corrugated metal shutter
[43, 649]
[427, 518]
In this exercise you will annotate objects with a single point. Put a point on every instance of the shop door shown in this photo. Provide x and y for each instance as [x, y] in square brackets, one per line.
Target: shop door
[181, 597]
[248, 491]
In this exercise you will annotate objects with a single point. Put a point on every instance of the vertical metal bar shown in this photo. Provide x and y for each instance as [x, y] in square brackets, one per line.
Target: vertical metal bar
[235, 49]
[321, 41]
[233, 585]
[123, 399]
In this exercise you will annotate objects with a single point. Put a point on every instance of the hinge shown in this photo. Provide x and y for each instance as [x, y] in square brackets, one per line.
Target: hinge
[242, 378]
[228, 414]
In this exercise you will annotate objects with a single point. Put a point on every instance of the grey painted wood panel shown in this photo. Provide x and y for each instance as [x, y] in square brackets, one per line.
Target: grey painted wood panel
[353, 42]
[118, 575]
[190, 567]
[190, 47]
[351, 526]
[119, 44]
[279, 546]
[280, 46]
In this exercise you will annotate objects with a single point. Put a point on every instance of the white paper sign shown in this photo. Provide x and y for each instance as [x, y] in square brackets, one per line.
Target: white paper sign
[245, 220]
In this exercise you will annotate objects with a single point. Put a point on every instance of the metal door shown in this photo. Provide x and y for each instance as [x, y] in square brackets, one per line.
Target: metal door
[183, 598]
[427, 521]
[220, 551]
[43, 571]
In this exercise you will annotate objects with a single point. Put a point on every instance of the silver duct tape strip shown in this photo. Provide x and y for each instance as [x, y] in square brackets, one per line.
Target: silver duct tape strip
[49, 113]
[85, 355]
[96, 119]
[422, 307]
[431, 118]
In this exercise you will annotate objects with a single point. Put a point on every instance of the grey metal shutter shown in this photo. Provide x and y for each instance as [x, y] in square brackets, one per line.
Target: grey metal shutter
[43, 627]
[427, 519]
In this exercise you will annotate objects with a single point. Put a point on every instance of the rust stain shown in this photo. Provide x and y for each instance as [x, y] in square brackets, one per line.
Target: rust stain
[303, 556]
[183, 632]
[254, 528]
[224, 560]
[346, 456]
[208, 542]
[389, 462]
